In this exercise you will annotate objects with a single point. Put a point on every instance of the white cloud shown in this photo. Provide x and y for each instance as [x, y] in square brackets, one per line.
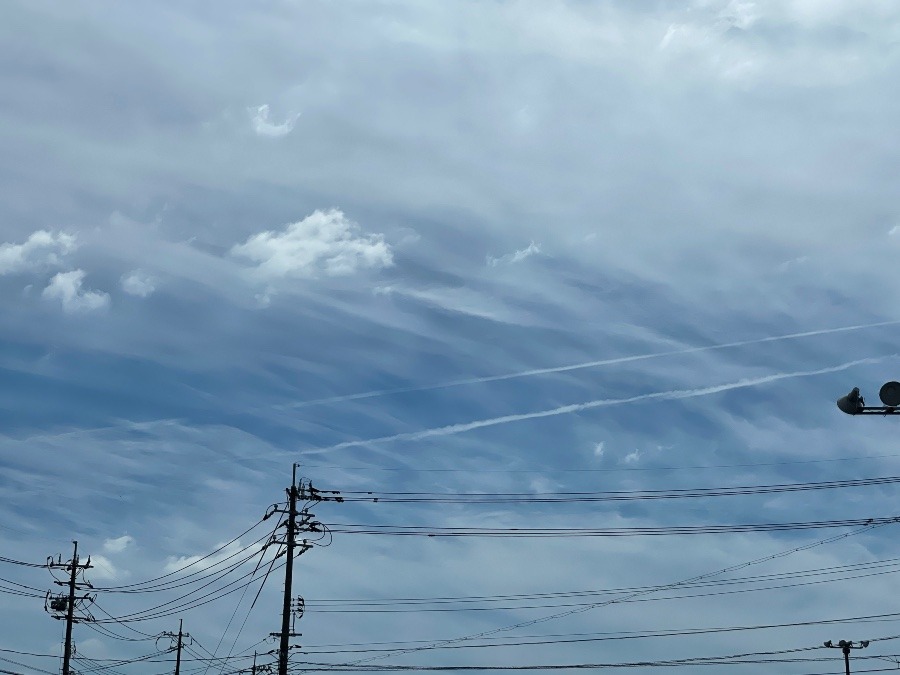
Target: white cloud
[894, 231]
[598, 449]
[66, 287]
[632, 457]
[202, 562]
[325, 241]
[40, 249]
[263, 127]
[516, 256]
[138, 283]
[118, 544]
[104, 568]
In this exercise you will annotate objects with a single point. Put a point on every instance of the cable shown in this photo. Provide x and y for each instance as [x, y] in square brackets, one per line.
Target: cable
[676, 584]
[189, 565]
[691, 661]
[820, 571]
[206, 572]
[613, 496]
[417, 608]
[10, 561]
[429, 531]
[575, 638]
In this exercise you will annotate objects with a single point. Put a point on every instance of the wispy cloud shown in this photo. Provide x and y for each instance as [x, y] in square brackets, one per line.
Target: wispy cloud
[586, 364]
[263, 126]
[515, 256]
[138, 283]
[632, 457]
[67, 288]
[675, 394]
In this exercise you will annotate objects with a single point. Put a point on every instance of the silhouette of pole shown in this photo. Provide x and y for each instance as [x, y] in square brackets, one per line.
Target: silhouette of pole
[288, 574]
[178, 652]
[845, 646]
[70, 611]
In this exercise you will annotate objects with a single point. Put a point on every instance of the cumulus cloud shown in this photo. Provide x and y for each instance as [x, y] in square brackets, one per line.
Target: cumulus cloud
[104, 568]
[67, 288]
[515, 256]
[42, 248]
[202, 562]
[118, 544]
[138, 283]
[323, 242]
[264, 127]
[598, 449]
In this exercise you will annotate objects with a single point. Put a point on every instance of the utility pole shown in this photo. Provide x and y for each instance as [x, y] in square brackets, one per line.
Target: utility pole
[179, 642]
[67, 603]
[288, 573]
[178, 654]
[845, 646]
[307, 493]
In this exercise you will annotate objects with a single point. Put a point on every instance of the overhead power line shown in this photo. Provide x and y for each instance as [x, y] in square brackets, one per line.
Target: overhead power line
[613, 496]
[429, 531]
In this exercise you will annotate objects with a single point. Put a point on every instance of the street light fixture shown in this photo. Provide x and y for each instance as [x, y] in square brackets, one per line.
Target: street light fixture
[845, 646]
[854, 404]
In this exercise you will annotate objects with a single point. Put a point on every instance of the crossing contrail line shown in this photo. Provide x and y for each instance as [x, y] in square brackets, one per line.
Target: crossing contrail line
[674, 394]
[576, 366]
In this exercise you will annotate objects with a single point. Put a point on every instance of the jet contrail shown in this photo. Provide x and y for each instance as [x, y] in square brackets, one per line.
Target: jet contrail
[577, 366]
[674, 394]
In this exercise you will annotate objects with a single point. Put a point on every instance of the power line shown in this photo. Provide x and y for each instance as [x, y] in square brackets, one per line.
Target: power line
[676, 584]
[611, 496]
[434, 531]
[820, 571]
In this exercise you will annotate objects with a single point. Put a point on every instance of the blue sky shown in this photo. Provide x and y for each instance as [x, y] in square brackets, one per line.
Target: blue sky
[502, 246]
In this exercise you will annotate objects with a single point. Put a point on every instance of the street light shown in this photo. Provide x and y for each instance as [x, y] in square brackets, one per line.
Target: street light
[854, 404]
[845, 646]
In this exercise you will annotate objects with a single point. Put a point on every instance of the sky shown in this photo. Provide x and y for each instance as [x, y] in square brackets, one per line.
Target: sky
[490, 247]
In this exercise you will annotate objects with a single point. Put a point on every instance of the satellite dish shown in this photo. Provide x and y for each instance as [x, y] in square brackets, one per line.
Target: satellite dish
[852, 402]
[890, 394]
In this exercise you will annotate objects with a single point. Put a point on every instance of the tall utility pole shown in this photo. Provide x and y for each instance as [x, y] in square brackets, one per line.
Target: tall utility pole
[288, 573]
[845, 646]
[307, 493]
[179, 642]
[67, 603]
[178, 654]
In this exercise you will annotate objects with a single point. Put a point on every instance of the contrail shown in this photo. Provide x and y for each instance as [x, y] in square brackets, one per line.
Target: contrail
[577, 366]
[454, 429]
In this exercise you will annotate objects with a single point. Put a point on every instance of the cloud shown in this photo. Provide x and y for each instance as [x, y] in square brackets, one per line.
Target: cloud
[104, 568]
[66, 287]
[516, 256]
[138, 283]
[323, 242]
[672, 395]
[118, 544]
[263, 127]
[598, 449]
[632, 457]
[42, 248]
[224, 552]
